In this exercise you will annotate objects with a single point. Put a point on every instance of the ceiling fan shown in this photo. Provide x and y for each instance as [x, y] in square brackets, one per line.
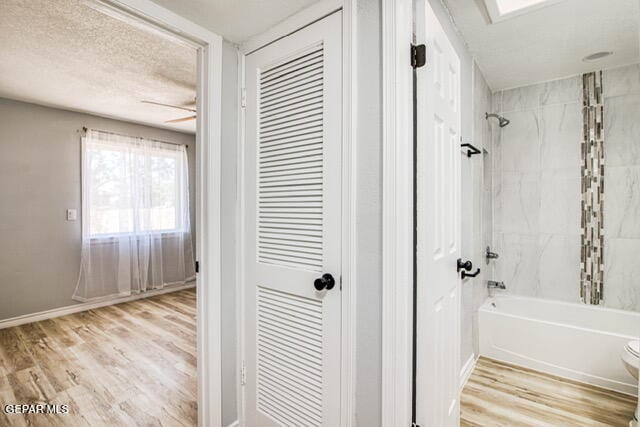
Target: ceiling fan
[180, 120]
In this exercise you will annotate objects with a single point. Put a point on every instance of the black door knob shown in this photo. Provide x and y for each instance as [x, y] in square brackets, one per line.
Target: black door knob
[325, 282]
[464, 265]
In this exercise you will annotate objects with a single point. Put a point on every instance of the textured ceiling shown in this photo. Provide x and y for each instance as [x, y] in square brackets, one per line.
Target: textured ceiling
[550, 42]
[64, 54]
[236, 20]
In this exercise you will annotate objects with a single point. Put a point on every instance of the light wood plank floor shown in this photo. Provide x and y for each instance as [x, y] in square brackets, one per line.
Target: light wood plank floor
[123, 365]
[499, 394]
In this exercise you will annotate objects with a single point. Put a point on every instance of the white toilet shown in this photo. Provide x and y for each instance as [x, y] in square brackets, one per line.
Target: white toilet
[631, 360]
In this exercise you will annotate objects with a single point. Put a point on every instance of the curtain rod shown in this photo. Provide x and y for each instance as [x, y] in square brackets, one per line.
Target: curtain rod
[85, 129]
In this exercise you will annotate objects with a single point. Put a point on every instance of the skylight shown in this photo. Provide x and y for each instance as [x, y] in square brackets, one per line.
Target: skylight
[508, 6]
[499, 10]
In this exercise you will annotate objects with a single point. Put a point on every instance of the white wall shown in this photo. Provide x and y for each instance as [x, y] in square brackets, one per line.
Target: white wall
[40, 180]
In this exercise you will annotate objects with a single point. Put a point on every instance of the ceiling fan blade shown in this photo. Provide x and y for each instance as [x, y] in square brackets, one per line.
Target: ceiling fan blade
[184, 119]
[169, 105]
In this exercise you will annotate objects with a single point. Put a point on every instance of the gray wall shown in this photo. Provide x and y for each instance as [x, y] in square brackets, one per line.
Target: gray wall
[40, 180]
[229, 179]
[368, 149]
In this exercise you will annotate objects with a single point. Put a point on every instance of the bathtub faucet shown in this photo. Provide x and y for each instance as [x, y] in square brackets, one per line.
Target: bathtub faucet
[490, 255]
[491, 284]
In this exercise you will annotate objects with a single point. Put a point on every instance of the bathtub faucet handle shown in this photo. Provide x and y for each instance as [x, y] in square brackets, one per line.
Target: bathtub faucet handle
[492, 284]
[489, 255]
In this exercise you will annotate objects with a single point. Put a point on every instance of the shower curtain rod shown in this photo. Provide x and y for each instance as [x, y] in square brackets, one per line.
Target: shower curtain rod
[85, 129]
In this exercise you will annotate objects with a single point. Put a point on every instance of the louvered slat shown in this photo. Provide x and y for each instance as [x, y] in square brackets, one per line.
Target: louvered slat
[289, 358]
[290, 166]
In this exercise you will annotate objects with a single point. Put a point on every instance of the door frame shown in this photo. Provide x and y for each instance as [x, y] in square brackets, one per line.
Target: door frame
[348, 215]
[147, 15]
[398, 34]
[397, 212]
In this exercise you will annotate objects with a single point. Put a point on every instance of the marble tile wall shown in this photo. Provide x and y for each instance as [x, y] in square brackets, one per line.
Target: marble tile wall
[535, 184]
[536, 189]
[523, 195]
[622, 187]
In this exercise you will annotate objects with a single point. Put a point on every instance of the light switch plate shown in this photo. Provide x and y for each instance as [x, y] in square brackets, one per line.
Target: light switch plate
[72, 214]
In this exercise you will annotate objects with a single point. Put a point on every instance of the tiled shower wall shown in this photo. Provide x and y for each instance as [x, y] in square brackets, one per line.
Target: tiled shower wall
[537, 190]
[537, 194]
[622, 187]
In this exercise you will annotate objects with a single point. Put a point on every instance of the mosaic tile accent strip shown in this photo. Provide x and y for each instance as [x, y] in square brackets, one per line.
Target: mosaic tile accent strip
[592, 239]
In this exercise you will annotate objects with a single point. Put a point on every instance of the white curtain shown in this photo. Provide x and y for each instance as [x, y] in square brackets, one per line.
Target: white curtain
[136, 233]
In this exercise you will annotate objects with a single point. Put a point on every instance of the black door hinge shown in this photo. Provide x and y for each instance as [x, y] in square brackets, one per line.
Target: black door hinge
[197, 266]
[418, 55]
[415, 425]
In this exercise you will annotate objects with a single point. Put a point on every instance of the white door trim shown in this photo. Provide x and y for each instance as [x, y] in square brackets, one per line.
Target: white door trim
[349, 111]
[397, 212]
[152, 17]
[349, 218]
[292, 24]
[240, 239]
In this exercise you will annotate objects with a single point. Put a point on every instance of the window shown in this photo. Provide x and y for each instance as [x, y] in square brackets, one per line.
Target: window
[499, 10]
[133, 185]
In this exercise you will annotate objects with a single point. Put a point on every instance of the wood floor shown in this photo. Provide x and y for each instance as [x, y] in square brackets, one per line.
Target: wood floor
[498, 394]
[135, 364]
[123, 365]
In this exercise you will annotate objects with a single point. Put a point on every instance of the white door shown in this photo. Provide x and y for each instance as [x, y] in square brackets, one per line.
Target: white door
[292, 211]
[438, 226]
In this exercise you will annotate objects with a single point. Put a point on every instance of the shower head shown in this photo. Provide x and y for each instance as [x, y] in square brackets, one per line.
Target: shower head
[502, 122]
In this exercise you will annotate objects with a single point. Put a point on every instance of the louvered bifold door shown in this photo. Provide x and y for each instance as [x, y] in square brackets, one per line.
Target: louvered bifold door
[292, 215]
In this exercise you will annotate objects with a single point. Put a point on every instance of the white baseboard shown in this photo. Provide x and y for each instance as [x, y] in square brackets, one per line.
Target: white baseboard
[467, 369]
[63, 311]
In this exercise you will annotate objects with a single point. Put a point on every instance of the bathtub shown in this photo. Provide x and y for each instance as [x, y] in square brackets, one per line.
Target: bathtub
[571, 340]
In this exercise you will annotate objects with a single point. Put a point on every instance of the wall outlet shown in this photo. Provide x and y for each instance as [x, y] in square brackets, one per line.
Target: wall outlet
[72, 214]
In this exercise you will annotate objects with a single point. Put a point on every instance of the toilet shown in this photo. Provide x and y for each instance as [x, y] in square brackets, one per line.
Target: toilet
[631, 358]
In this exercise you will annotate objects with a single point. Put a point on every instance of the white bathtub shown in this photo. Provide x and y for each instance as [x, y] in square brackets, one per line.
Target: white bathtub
[571, 340]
